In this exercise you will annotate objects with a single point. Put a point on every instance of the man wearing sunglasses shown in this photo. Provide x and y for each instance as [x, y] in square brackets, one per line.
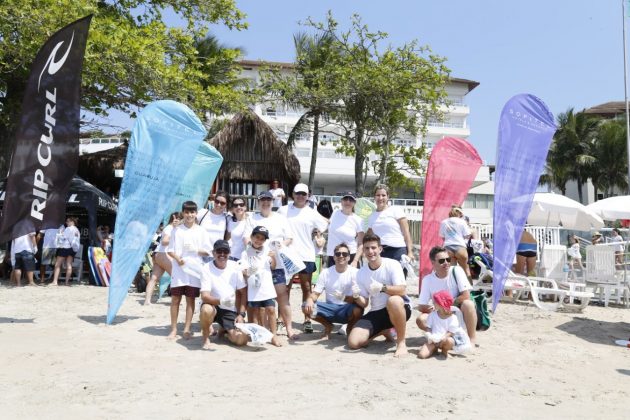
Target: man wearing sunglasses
[339, 283]
[303, 220]
[452, 279]
[382, 281]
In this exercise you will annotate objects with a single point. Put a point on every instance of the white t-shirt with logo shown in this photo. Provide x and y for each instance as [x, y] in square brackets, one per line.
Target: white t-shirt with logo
[343, 228]
[260, 284]
[277, 196]
[303, 221]
[276, 224]
[237, 230]
[432, 284]
[222, 283]
[330, 280]
[389, 273]
[386, 225]
[454, 230]
[186, 243]
[214, 224]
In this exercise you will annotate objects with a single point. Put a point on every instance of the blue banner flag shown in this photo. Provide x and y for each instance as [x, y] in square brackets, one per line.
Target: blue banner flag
[198, 180]
[525, 131]
[163, 144]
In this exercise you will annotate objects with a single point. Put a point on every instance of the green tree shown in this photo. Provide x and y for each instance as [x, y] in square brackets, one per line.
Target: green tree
[381, 92]
[611, 156]
[310, 87]
[132, 57]
[573, 147]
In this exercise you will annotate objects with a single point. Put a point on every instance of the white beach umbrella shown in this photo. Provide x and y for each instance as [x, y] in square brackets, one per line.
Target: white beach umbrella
[612, 208]
[549, 209]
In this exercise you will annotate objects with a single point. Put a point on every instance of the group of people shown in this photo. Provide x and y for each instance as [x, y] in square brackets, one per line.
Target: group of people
[40, 250]
[235, 261]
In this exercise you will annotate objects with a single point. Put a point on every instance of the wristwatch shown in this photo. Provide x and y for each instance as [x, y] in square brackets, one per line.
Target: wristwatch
[243, 314]
[384, 288]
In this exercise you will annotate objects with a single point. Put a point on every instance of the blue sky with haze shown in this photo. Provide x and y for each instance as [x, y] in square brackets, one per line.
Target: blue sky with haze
[568, 53]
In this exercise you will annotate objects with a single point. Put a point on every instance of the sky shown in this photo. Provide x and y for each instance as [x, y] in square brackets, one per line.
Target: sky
[569, 53]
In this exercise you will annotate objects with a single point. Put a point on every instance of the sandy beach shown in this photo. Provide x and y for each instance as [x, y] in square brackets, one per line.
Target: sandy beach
[60, 360]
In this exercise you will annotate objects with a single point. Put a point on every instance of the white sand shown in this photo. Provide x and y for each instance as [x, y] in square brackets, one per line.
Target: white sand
[59, 360]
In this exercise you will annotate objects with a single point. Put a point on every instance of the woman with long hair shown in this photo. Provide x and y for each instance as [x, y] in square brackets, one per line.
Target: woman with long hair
[68, 238]
[161, 261]
[214, 221]
[236, 222]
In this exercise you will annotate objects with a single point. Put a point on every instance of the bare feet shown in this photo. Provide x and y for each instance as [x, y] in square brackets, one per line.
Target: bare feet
[206, 344]
[327, 333]
[401, 350]
[172, 336]
[291, 334]
[54, 283]
[276, 341]
[187, 335]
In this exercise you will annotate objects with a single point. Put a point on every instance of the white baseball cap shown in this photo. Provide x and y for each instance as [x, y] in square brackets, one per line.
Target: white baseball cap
[300, 188]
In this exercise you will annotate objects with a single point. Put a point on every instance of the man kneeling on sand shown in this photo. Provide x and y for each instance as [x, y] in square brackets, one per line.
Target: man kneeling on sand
[454, 280]
[338, 282]
[222, 288]
[382, 281]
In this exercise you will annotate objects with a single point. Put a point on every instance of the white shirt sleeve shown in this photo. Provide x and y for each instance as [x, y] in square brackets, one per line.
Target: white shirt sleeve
[462, 280]
[425, 293]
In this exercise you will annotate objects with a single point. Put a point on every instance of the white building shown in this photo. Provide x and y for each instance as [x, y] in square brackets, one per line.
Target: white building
[335, 172]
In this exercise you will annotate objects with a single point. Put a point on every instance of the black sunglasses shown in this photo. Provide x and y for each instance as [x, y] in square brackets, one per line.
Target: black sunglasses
[220, 203]
[300, 193]
[442, 260]
[238, 204]
[342, 254]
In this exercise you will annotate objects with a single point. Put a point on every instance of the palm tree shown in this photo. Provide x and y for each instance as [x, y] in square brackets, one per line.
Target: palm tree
[612, 160]
[572, 149]
[313, 90]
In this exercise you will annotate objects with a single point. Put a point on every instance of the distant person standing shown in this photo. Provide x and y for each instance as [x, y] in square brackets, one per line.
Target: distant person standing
[617, 238]
[456, 232]
[67, 246]
[526, 253]
[277, 193]
[48, 249]
[24, 249]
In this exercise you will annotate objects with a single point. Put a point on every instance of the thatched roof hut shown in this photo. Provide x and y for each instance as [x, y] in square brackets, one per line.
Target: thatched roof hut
[98, 168]
[252, 153]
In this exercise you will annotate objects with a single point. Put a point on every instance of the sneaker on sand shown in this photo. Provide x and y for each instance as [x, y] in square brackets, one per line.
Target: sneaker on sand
[308, 327]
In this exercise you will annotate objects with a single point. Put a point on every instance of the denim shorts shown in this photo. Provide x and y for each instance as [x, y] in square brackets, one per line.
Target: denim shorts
[278, 276]
[335, 313]
[262, 303]
[310, 268]
[25, 260]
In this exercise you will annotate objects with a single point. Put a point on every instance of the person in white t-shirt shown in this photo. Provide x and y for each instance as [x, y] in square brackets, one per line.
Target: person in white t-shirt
[390, 224]
[23, 250]
[442, 326]
[277, 193]
[346, 227]
[303, 220]
[189, 243]
[281, 234]
[382, 282]
[616, 237]
[259, 261]
[214, 221]
[455, 232]
[338, 282]
[68, 239]
[223, 297]
[48, 250]
[236, 228]
[161, 261]
[453, 279]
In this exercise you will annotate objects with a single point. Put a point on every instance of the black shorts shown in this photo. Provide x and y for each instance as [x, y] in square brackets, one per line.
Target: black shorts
[225, 318]
[25, 261]
[378, 321]
[310, 267]
[526, 254]
[188, 291]
[65, 252]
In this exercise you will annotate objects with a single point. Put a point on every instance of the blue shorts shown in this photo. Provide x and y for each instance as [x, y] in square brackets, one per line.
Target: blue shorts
[310, 267]
[262, 303]
[335, 313]
[393, 253]
[278, 276]
[25, 260]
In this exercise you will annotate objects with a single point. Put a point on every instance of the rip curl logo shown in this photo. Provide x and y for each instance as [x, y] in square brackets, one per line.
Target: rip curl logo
[53, 66]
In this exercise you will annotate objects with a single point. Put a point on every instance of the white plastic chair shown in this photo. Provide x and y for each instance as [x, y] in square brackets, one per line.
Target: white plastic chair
[552, 266]
[602, 275]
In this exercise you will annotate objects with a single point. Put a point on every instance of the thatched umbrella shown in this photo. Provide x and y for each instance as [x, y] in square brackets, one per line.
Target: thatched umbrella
[98, 168]
[252, 152]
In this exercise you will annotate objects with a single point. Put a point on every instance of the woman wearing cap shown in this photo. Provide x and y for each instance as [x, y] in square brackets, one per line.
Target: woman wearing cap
[279, 232]
[214, 221]
[456, 232]
[236, 228]
[597, 238]
[345, 227]
[390, 224]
